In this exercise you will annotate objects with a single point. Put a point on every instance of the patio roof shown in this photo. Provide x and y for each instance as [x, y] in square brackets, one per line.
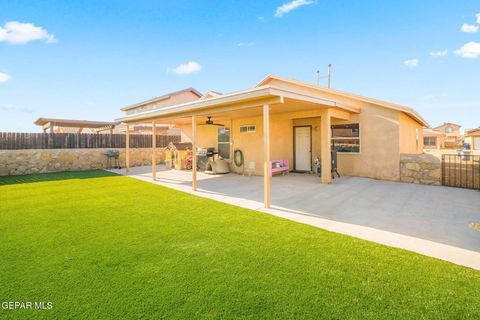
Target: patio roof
[71, 123]
[249, 98]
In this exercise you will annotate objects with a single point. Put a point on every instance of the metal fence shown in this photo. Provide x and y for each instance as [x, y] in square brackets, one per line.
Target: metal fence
[21, 140]
[462, 171]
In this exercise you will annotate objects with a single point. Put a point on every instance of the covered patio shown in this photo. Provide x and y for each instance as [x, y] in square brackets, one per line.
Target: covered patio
[277, 107]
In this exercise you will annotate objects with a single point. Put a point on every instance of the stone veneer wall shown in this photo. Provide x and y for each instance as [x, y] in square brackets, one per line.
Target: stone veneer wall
[18, 162]
[420, 168]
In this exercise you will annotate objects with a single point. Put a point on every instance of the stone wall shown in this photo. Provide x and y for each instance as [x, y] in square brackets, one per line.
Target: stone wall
[18, 162]
[420, 168]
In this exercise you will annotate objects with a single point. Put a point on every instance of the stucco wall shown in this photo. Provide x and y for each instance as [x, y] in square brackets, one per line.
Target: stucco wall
[379, 145]
[17, 162]
[408, 135]
[251, 143]
[182, 97]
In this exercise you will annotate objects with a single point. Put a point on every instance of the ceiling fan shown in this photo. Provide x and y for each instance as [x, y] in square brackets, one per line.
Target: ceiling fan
[209, 122]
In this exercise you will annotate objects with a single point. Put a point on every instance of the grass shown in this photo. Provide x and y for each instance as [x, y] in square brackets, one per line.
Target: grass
[110, 247]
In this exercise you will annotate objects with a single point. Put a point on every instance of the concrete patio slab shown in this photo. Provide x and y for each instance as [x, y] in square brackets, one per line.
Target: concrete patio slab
[431, 220]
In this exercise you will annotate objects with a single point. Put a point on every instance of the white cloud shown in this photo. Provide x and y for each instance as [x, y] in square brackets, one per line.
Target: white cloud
[4, 77]
[478, 17]
[287, 7]
[186, 68]
[411, 63]
[435, 96]
[246, 44]
[469, 28]
[437, 54]
[470, 50]
[14, 108]
[20, 33]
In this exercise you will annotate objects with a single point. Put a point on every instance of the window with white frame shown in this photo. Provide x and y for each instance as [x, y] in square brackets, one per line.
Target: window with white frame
[346, 138]
[248, 128]
[223, 142]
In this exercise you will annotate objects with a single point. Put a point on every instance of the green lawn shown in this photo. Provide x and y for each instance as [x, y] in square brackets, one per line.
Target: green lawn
[101, 246]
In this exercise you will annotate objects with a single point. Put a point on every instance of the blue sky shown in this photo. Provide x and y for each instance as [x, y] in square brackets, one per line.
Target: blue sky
[87, 59]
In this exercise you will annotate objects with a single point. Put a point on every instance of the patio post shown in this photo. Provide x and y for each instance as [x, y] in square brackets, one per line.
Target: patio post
[326, 124]
[154, 152]
[266, 156]
[194, 152]
[127, 148]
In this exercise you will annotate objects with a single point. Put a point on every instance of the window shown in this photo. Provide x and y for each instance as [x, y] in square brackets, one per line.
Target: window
[248, 128]
[346, 137]
[430, 141]
[223, 139]
[448, 130]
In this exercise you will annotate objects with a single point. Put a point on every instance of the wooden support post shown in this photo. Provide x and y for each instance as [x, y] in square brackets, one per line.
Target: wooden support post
[127, 148]
[194, 153]
[326, 134]
[266, 156]
[154, 152]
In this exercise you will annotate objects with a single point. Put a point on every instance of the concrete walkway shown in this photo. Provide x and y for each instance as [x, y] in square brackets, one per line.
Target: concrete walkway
[434, 221]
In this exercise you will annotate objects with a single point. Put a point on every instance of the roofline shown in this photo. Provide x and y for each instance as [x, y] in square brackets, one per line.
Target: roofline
[86, 123]
[432, 132]
[472, 131]
[252, 93]
[447, 123]
[160, 98]
[409, 111]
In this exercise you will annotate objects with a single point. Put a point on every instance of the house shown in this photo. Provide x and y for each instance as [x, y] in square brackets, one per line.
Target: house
[52, 125]
[287, 119]
[166, 100]
[169, 99]
[451, 134]
[433, 139]
[473, 137]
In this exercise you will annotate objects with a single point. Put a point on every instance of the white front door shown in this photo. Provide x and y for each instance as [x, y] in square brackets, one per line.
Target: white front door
[476, 143]
[303, 145]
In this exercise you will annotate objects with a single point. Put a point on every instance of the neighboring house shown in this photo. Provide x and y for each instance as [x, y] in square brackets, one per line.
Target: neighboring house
[433, 139]
[169, 99]
[163, 101]
[472, 136]
[286, 119]
[51, 125]
[452, 135]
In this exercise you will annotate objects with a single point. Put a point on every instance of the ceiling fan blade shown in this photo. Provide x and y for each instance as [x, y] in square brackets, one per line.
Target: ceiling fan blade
[218, 124]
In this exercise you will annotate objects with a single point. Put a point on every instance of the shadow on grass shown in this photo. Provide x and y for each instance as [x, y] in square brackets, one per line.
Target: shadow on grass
[41, 177]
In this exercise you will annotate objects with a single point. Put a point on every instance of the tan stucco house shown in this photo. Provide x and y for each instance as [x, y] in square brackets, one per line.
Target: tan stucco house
[286, 119]
[433, 139]
[449, 136]
[473, 137]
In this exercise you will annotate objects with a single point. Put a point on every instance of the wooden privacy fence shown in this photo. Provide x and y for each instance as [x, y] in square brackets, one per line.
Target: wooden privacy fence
[20, 140]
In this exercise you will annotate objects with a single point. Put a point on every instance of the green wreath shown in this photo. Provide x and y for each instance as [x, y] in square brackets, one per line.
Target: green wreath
[238, 157]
